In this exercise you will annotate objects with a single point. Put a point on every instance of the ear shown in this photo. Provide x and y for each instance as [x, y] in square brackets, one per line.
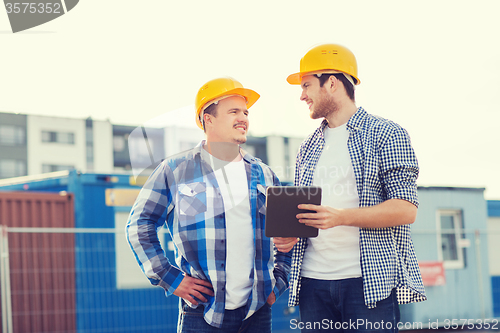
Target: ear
[333, 83]
[207, 118]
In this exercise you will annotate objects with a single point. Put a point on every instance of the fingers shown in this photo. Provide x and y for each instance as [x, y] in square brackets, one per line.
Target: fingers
[271, 299]
[309, 207]
[190, 287]
[285, 244]
[284, 240]
[311, 216]
[319, 224]
[206, 284]
[190, 299]
[312, 207]
[201, 286]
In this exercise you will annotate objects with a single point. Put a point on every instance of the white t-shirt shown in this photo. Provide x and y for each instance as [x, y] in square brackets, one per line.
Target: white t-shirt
[240, 249]
[334, 254]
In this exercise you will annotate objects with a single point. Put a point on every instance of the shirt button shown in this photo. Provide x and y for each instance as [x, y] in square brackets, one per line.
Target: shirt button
[222, 241]
[221, 265]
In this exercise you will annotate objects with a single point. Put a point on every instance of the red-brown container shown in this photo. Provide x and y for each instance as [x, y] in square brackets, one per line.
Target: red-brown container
[42, 265]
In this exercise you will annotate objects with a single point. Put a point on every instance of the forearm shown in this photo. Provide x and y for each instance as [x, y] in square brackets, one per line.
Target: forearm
[390, 213]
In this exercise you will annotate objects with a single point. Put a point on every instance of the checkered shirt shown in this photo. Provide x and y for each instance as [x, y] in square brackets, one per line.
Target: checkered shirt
[385, 167]
[183, 192]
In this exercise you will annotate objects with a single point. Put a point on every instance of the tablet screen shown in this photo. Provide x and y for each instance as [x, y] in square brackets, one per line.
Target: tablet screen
[281, 210]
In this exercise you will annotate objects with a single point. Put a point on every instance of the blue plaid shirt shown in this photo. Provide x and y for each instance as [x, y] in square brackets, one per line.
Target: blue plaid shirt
[385, 167]
[183, 191]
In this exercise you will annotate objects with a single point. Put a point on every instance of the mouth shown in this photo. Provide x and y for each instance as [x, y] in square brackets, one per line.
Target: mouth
[309, 103]
[241, 127]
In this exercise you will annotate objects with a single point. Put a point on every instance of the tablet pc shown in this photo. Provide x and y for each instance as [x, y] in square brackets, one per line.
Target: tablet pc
[281, 210]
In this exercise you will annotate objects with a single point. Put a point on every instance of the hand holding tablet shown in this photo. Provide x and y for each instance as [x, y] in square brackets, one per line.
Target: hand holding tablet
[282, 210]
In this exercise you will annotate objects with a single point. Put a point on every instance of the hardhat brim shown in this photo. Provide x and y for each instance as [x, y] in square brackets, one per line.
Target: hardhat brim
[296, 78]
[250, 96]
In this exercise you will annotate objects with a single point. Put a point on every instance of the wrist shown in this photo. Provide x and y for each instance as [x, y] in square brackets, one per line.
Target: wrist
[344, 217]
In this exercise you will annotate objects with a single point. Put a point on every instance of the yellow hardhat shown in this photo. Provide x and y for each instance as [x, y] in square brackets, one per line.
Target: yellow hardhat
[326, 58]
[215, 90]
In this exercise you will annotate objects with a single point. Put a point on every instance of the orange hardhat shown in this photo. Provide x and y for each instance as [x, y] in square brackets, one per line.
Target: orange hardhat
[326, 58]
[217, 89]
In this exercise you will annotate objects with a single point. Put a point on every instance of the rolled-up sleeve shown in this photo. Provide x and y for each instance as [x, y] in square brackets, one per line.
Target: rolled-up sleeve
[283, 262]
[399, 167]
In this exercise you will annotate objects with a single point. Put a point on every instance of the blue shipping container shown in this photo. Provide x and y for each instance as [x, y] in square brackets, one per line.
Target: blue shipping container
[104, 302]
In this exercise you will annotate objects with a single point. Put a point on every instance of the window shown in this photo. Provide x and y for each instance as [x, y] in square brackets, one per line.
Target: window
[139, 150]
[12, 135]
[118, 143]
[449, 226]
[59, 137]
[53, 168]
[12, 168]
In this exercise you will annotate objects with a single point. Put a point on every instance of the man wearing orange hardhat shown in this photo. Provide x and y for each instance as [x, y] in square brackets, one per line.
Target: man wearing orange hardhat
[362, 264]
[212, 199]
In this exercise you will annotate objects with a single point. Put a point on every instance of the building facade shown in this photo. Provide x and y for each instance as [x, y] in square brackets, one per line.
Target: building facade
[13, 145]
[32, 145]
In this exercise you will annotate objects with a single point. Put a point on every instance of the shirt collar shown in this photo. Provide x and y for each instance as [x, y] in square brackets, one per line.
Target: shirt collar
[357, 119]
[354, 122]
[246, 156]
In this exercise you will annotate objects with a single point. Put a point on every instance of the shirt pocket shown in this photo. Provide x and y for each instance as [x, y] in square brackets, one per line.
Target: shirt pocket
[192, 201]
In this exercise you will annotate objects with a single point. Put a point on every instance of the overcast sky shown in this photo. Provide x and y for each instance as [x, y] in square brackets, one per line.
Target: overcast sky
[431, 66]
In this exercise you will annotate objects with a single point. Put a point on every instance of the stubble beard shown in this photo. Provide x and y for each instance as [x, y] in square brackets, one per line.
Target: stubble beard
[324, 106]
[240, 141]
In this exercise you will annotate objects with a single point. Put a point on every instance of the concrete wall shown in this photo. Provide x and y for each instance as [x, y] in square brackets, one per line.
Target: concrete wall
[54, 153]
[103, 146]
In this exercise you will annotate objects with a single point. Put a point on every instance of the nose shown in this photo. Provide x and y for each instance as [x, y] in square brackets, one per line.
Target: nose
[242, 118]
[303, 96]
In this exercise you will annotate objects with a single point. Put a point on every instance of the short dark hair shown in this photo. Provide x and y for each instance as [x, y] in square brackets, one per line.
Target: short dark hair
[212, 110]
[349, 88]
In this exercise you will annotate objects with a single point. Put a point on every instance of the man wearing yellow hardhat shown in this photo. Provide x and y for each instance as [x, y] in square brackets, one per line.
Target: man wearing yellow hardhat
[212, 199]
[362, 264]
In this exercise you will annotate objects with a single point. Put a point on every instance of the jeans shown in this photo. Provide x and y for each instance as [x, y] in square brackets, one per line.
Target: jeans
[339, 306]
[192, 321]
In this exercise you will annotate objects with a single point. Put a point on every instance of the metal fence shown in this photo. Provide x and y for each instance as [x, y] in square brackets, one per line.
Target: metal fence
[86, 281]
[65, 280]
